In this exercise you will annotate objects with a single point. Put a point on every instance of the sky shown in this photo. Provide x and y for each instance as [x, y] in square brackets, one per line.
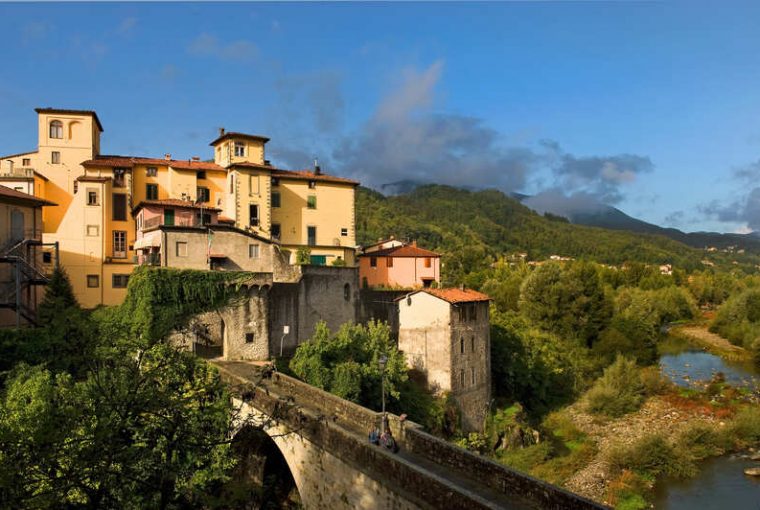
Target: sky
[652, 107]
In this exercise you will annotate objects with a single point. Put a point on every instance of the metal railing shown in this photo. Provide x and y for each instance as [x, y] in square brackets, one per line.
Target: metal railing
[18, 172]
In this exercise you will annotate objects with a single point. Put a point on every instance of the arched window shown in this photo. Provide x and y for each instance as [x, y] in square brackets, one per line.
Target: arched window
[347, 292]
[56, 129]
[461, 345]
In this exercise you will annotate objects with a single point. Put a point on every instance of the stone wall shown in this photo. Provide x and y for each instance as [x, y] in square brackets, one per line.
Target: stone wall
[380, 305]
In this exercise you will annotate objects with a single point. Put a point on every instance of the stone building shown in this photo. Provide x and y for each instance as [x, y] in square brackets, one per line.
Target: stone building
[444, 334]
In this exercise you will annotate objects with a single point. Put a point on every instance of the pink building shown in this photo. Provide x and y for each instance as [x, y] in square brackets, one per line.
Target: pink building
[405, 266]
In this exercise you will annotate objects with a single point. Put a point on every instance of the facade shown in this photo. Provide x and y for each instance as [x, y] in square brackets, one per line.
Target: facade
[397, 265]
[97, 194]
[24, 261]
[444, 334]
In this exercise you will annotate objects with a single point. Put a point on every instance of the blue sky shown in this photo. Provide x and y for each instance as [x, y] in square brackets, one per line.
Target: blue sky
[651, 107]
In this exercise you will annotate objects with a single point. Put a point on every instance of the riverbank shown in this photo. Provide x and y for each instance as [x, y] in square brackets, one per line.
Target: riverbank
[715, 344]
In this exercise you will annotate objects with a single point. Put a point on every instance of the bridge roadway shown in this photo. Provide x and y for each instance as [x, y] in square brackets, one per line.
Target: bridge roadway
[466, 487]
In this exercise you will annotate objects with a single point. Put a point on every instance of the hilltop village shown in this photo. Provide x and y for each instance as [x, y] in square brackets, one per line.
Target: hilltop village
[100, 216]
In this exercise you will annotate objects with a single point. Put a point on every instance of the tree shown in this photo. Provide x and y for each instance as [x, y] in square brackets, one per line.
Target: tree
[569, 301]
[144, 431]
[346, 363]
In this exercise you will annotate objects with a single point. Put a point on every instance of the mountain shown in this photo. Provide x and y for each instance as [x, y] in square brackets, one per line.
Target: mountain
[595, 214]
[473, 228]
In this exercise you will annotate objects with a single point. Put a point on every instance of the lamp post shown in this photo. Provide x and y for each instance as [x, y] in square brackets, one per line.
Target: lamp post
[381, 362]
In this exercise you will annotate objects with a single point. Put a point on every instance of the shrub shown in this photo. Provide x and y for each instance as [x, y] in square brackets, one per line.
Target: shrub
[619, 391]
[701, 440]
[745, 427]
[651, 456]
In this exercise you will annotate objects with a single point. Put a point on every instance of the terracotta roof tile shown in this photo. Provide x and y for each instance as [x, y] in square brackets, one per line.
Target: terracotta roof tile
[233, 134]
[130, 161]
[17, 196]
[224, 219]
[174, 202]
[407, 250]
[456, 295]
[301, 175]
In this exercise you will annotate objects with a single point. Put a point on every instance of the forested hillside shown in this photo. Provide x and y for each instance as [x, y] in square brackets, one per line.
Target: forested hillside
[473, 228]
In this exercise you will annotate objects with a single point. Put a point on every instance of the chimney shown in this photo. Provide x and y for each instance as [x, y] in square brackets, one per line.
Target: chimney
[168, 157]
[461, 287]
[414, 243]
[196, 158]
[317, 170]
[221, 131]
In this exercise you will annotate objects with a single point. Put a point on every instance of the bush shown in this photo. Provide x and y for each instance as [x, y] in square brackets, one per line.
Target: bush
[745, 427]
[651, 456]
[619, 391]
[701, 440]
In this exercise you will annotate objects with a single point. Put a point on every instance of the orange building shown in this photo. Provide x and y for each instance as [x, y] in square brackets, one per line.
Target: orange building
[406, 266]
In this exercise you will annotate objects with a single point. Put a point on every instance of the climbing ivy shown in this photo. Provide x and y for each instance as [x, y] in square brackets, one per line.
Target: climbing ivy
[162, 299]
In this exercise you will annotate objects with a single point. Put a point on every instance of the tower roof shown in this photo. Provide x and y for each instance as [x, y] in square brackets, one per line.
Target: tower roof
[233, 134]
[62, 111]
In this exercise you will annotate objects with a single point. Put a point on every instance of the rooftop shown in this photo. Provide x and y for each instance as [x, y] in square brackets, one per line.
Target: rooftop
[72, 112]
[13, 196]
[130, 161]
[454, 295]
[245, 136]
[408, 250]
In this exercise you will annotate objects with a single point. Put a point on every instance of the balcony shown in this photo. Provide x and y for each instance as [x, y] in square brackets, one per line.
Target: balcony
[157, 221]
[17, 172]
[151, 259]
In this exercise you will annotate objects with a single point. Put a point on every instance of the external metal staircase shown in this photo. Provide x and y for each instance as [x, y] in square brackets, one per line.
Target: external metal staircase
[21, 270]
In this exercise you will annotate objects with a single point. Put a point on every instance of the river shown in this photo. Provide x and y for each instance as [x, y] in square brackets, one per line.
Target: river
[721, 483]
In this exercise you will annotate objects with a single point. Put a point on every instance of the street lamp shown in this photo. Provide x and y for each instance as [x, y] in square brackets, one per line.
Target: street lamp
[381, 362]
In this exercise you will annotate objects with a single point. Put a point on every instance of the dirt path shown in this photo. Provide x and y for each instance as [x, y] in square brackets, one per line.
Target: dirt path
[711, 341]
[656, 416]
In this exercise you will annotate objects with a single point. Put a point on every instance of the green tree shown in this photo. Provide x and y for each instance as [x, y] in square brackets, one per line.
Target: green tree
[141, 431]
[346, 363]
[620, 390]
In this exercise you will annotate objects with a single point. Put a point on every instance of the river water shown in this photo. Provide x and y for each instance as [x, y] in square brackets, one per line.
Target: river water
[721, 483]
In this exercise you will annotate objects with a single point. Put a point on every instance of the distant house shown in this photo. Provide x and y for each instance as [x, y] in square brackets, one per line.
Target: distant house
[444, 334]
[400, 265]
[382, 244]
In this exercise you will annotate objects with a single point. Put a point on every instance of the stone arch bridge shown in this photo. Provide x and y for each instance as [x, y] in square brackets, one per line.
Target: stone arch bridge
[323, 440]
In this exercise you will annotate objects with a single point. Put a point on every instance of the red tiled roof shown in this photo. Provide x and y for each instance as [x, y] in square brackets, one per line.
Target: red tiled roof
[456, 295]
[301, 175]
[92, 178]
[18, 197]
[173, 202]
[16, 155]
[72, 112]
[407, 250]
[233, 134]
[224, 219]
[130, 161]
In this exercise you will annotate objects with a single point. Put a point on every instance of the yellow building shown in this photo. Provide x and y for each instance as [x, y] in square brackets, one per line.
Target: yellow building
[96, 194]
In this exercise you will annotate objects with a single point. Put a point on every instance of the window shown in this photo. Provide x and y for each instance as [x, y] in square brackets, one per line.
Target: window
[312, 184]
[253, 214]
[201, 175]
[93, 281]
[389, 262]
[232, 183]
[92, 197]
[203, 219]
[461, 378]
[26, 162]
[181, 249]
[311, 201]
[276, 231]
[472, 375]
[473, 312]
[344, 232]
[249, 338]
[118, 177]
[56, 129]
[253, 251]
[461, 345]
[151, 192]
[347, 292]
[119, 281]
[275, 181]
[311, 236]
[472, 344]
[47, 257]
[239, 149]
[275, 199]
[204, 195]
[55, 157]
[169, 217]
[93, 230]
[119, 207]
[120, 244]
[373, 262]
[76, 187]
[151, 171]
[428, 262]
